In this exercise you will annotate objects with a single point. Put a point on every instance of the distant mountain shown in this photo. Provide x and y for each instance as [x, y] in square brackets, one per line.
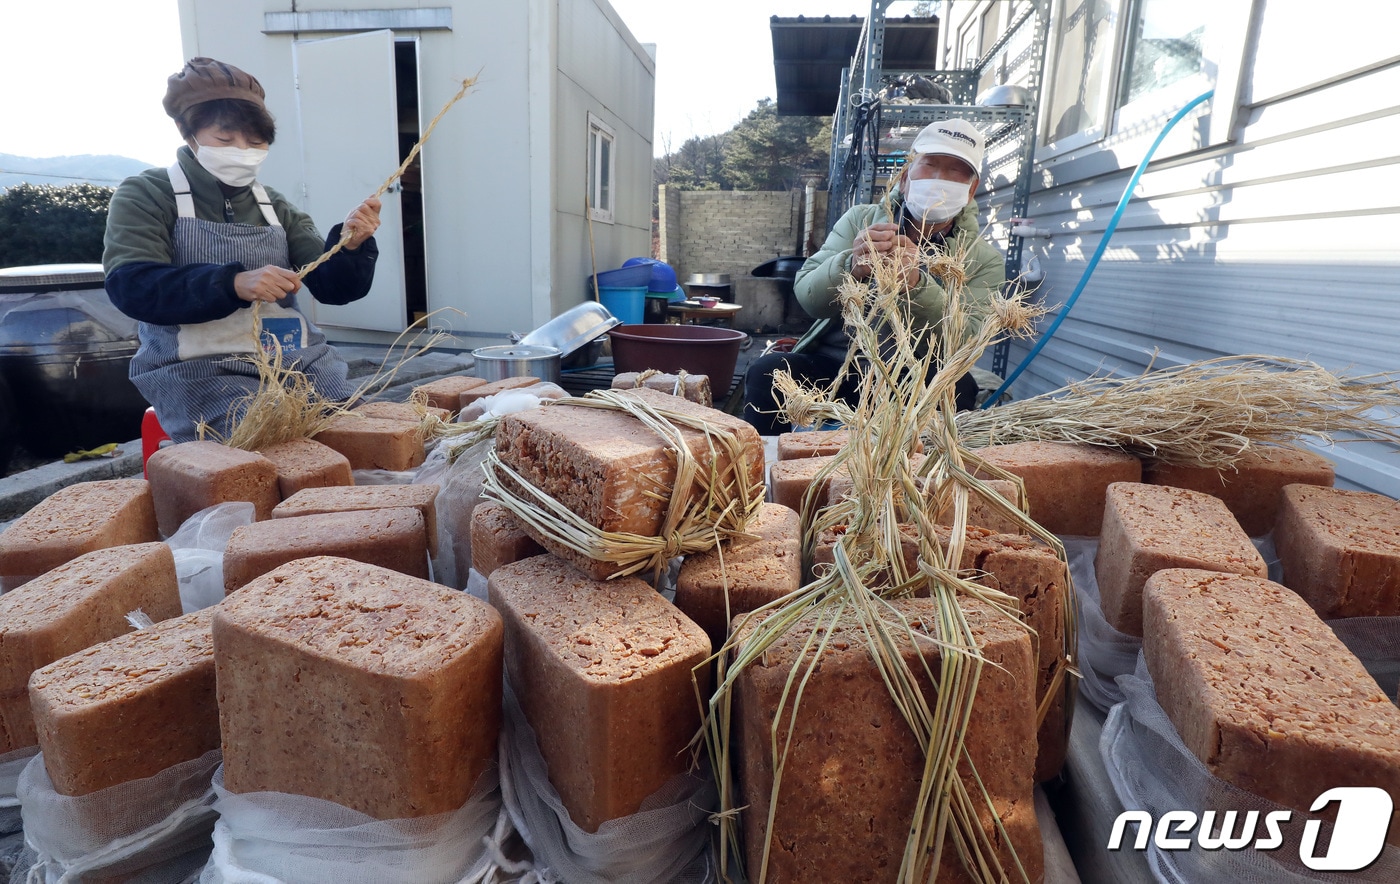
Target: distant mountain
[107, 171]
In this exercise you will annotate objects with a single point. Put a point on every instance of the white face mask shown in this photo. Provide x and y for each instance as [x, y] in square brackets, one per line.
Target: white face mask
[934, 200]
[234, 166]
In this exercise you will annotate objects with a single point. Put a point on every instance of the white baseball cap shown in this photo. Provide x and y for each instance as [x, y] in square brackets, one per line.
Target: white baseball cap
[954, 138]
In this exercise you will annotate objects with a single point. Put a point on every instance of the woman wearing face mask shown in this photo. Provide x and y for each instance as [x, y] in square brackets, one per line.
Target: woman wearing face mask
[931, 205]
[189, 249]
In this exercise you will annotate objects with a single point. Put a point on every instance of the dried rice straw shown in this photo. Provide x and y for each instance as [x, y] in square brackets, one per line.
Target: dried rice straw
[897, 398]
[1205, 413]
[711, 499]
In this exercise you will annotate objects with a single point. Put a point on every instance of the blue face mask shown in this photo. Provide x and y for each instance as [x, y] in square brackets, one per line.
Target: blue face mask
[934, 200]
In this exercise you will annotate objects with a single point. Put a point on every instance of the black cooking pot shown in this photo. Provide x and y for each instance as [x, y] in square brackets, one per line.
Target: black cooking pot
[783, 267]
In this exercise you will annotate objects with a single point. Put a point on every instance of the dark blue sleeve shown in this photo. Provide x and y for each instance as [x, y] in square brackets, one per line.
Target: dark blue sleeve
[164, 294]
[348, 275]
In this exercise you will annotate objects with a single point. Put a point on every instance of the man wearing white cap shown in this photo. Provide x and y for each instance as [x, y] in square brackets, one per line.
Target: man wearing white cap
[930, 204]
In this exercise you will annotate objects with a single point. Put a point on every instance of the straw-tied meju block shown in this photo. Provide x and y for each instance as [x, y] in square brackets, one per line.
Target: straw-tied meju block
[393, 538]
[695, 387]
[403, 411]
[1340, 550]
[603, 672]
[306, 463]
[1032, 574]
[128, 708]
[1147, 528]
[75, 520]
[1264, 693]
[1065, 483]
[616, 473]
[359, 685]
[849, 784]
[1252, 487]
[982, 510]
[74, 606]
[192, 476]
[743, 574]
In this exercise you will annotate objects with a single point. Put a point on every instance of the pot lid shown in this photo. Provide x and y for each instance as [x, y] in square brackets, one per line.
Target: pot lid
[516, 351]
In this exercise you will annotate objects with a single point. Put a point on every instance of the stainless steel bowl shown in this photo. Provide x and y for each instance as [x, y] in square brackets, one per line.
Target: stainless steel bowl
[708, 279]
[1005, 95]
[517, 361]
[573, 330]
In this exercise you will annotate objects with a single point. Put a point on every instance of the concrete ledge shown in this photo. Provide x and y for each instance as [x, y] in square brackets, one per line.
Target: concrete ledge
[22, 491]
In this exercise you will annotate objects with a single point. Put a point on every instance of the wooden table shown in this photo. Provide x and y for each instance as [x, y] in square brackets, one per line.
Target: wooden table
[692, 313]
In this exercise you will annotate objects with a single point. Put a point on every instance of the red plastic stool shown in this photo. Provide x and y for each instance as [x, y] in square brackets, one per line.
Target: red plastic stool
[152, 434]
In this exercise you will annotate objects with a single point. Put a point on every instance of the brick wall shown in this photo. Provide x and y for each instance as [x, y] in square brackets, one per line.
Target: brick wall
[711, 231]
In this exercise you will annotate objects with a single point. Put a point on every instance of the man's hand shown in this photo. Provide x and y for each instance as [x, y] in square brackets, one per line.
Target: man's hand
[362, 223]
[268, 283]
[884, 242]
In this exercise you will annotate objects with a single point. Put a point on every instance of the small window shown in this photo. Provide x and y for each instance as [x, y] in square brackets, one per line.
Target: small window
[602, 165]
[1166, 45]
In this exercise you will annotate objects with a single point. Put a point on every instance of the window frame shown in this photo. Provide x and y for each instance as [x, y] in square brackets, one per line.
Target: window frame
[599, 133]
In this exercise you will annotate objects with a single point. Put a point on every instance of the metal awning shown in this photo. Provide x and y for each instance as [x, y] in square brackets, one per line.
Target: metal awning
[810, 53]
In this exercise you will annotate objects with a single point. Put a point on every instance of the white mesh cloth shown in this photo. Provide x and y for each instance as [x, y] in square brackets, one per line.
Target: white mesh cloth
[459, 489]
[154, 830]
[1151, 769]
[666, 842]
[276, 838]
[1104, 652]
[198, 546]
[11, 826]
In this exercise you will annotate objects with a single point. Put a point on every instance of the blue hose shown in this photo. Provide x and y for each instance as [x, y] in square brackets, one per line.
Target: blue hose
[1098, 253]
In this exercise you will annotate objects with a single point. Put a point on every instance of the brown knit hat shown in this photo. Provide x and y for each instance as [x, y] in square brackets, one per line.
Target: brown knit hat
[204, 79]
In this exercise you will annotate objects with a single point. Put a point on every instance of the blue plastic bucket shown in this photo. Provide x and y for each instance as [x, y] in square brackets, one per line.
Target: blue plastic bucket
[627, 303]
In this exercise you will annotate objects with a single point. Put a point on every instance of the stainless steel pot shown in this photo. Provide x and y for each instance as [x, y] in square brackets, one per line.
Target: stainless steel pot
[516, 361]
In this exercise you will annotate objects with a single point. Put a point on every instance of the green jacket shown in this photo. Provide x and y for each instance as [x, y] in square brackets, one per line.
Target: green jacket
[142, 213]
[820, 277]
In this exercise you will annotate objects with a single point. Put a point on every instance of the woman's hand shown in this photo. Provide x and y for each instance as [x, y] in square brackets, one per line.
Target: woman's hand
[268, 283]
[362, 223]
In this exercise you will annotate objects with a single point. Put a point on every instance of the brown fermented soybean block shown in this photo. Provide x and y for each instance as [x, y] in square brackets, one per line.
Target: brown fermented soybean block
[128, 708]
[981, 512]
[696, 387]
[1065, 482]
[311, 501]
[191, 476]
[306, 463]
[1263, 692]
[359, 685]
[1340, 550]
[816, 443]
[603, 673]
[402, 411]
[446, 393]
[790, 479]
[608, 467]
[756, 570]
[75, 520]
[390, 538]
[75, 606]
[498, 538]
[373, 443]
[1147, 528]
[851, 777]
[1253, 488]
[481, 392]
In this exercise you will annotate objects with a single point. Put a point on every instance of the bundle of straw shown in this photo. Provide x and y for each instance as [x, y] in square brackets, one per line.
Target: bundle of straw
[897, 398]
[708, 503]
[1202, 413]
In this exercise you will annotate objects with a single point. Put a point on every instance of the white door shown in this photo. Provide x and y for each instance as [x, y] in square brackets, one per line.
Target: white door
[349, 134]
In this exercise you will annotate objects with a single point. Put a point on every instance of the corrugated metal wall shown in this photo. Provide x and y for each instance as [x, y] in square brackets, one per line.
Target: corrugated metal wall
[1282, 242]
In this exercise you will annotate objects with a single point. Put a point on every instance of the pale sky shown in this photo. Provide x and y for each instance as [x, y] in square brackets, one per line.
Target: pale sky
[87, 76]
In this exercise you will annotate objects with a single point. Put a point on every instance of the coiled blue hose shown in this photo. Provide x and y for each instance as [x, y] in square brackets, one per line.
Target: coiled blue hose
[1098, 253]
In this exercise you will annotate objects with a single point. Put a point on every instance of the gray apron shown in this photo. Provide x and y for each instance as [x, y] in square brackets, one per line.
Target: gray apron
[200, 372]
